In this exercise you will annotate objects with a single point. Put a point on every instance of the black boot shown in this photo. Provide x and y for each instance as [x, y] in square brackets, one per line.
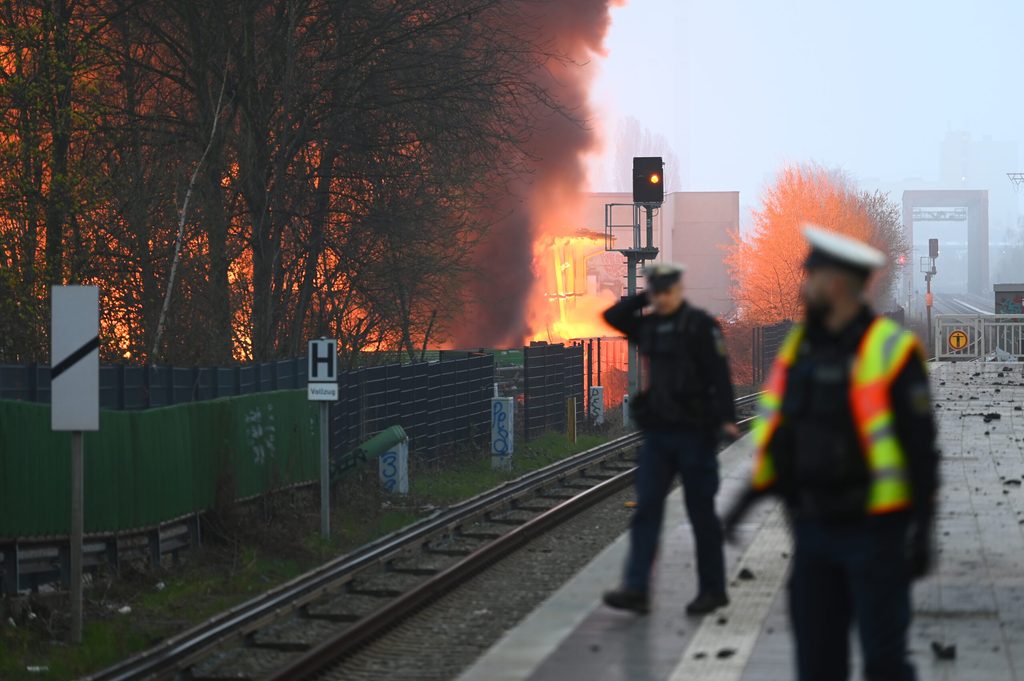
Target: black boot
[705, 603]
[628, 599]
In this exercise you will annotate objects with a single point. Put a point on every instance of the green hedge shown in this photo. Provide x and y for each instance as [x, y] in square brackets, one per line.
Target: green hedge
[146, 467]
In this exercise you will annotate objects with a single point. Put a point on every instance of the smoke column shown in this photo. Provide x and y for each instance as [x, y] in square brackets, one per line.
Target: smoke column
[541, 202]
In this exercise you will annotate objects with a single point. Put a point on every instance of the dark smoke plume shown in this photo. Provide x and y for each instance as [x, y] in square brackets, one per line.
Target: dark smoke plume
[498, 292]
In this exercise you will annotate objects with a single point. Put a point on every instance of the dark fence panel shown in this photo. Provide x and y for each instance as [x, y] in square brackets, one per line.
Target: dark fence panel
[439, 404]
[132, 387]
[605, 363]
[551, 374]
[766, 343]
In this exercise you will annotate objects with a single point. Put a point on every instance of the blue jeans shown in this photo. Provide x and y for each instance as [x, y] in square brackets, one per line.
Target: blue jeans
[691, 455]
[843, 572]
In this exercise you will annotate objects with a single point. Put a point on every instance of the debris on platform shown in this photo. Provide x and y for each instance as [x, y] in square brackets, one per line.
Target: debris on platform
[700, 656]
[1000, 355]
[722, 621]
[1013, 482]
[746, 575]
[944, 651]
[725, 653]
[992, 416]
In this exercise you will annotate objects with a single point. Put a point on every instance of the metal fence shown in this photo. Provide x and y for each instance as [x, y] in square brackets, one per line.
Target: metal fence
[438, 403]
[605, 363]
[551, 375]
[133, 387]
[975, 337]
[766, 343]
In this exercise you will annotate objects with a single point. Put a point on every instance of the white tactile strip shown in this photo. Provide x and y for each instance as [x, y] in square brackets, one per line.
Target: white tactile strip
[721, 647]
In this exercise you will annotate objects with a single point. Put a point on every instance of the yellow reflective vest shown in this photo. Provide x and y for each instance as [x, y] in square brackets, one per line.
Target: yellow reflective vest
[883, 352]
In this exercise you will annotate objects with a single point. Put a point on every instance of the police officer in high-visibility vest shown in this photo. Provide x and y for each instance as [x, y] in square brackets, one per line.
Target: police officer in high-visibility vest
[846, 438]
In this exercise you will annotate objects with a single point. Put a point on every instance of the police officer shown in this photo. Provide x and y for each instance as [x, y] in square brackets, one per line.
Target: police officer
[846, 438]
[688, 400]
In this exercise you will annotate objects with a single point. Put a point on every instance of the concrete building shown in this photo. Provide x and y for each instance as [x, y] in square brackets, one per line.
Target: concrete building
[693, 228]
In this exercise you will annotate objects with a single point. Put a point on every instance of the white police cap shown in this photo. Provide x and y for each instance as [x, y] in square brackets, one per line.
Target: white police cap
[830, 248]
[664, 269]
[663, 275]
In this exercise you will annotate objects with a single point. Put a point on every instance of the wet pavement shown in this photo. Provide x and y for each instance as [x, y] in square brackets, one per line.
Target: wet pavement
[968, 615]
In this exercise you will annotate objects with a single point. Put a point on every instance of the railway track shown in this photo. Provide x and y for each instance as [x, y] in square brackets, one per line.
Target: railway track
[312, 622]
[966, 304]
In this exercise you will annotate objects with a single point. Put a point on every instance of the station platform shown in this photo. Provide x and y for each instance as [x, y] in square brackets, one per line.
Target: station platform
[973, 600]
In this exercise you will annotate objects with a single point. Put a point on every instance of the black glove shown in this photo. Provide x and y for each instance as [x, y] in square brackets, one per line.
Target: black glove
[920, 557]
[737, 511]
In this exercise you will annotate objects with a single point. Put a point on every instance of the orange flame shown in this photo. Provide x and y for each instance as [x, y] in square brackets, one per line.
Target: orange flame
[568, 298]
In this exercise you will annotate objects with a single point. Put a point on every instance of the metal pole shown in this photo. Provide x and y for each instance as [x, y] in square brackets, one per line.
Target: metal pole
[77, 525]
[632, 373]
[928, 307]
[325, 473]
[650, 226]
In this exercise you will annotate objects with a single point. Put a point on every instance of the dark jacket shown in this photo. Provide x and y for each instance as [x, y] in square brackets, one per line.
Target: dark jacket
[688, 382]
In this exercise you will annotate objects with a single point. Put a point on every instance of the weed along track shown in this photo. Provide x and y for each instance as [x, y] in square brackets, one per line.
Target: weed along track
[314, 621]
[356, 597]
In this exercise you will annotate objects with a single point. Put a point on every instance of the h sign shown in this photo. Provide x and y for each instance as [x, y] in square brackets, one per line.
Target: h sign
[323, 361]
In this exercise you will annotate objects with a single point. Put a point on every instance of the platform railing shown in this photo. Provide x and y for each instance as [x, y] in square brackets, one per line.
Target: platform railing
[974, 337]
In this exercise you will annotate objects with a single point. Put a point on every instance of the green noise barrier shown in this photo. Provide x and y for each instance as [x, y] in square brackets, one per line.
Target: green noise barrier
[147, 467]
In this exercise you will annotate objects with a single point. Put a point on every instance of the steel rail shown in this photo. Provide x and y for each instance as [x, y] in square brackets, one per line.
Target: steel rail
[380, 621]
[178, 652]
[342, 644]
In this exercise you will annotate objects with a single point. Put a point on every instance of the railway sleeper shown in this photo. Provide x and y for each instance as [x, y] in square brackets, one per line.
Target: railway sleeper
[333, 617]
[282, 646]
[483, 536]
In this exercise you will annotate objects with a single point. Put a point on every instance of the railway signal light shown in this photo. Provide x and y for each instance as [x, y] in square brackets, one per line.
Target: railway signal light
[648, 179]
[933, 248]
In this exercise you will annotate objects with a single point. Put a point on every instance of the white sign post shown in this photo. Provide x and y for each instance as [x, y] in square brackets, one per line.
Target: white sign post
[502, 431]
[595, 405]
[322, 376]
[75, 404]
[393, 468]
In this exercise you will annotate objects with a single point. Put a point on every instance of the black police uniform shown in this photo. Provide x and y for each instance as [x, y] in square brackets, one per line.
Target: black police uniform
[688, 396]
[847, 565]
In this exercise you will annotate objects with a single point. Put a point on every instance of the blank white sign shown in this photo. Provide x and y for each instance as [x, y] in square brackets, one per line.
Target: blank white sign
[75, 358]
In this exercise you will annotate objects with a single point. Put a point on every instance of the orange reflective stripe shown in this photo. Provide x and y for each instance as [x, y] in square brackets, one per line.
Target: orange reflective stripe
[769, 406]
[776, 384]
[869, 400]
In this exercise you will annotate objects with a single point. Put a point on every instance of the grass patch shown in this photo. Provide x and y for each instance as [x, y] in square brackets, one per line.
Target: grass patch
[213, 580]
[470, 476]
[251, 549]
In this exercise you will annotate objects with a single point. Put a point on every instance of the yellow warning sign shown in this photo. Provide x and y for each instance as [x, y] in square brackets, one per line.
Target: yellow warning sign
[958, 340]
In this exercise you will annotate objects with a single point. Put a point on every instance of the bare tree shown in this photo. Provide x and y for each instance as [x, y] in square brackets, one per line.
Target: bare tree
[633, 139]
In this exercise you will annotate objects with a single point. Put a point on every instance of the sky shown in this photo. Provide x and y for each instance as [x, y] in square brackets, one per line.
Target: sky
[741, 87]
